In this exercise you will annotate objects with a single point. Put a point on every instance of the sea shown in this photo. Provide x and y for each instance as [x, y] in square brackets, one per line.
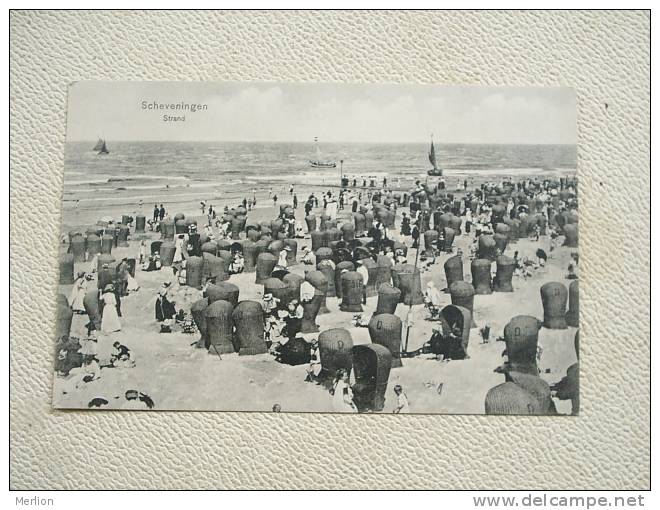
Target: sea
[224, 172]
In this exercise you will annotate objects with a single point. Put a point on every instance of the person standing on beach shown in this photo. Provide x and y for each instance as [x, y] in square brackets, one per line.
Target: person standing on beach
[156, 212]
[78, 293]
[110, 318]
[295, 201]
[274, 199]
[121, 277]
[342, 394]
[415, 236]
[270, 192]
[161, 213]
[364, 273]
[104, 277]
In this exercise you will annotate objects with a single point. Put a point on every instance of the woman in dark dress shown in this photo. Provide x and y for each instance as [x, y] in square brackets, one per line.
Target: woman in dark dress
[405, 225]
[164, 307]
[415, 236]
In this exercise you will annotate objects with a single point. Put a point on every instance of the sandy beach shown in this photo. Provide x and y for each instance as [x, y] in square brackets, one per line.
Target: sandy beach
[176, 375]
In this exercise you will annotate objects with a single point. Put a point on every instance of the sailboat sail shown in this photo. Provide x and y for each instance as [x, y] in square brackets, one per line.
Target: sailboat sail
[318, 149]
[319, 163]
[99, 145]
[103, 149]
[432, 157]
[436, 172]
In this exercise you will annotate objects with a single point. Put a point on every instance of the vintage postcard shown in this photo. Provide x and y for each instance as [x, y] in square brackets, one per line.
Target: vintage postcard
[342, 248]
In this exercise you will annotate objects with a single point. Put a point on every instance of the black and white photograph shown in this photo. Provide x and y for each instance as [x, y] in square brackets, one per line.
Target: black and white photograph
[319, 248]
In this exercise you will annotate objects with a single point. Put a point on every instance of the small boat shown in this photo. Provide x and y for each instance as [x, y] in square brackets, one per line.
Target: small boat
[101, 147]
[435, 172]
[318, 162]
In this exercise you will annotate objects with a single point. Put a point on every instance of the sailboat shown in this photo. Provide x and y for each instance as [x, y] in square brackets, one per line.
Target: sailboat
[435, 172]
[318, 162]
[101, 147]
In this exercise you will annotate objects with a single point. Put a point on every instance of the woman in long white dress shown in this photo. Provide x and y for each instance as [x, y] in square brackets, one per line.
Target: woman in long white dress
[433, 296]
[78, 293]
[178, 248]
[331, 209]
[282, 260]
[93, 264]
[110, 320]
[132, 284]
[342, 396]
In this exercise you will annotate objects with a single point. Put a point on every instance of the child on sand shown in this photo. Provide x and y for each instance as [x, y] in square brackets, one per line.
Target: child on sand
[142, 254]
[402, 405]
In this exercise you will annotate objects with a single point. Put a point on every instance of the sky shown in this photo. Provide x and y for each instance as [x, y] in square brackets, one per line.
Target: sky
[288, 112]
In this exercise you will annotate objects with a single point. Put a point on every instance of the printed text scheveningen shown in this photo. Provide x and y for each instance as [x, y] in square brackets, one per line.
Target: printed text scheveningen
[182, 105]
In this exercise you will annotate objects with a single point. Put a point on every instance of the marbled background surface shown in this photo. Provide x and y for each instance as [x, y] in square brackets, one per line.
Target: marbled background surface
[604, 55]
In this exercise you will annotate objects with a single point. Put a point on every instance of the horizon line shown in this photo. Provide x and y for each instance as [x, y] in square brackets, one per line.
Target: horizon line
[92, 141]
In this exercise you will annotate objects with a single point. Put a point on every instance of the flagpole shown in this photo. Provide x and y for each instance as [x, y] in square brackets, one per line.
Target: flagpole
[405, 348]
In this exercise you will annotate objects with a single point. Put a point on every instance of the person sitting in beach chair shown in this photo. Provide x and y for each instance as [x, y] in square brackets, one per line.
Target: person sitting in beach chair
[150, 264]
[270, 305]
[237, 264]
[181, 273]
[308, 256]
[282, 263]
[307, 292]
[300, 231]
[432, 298]
[292, 320]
